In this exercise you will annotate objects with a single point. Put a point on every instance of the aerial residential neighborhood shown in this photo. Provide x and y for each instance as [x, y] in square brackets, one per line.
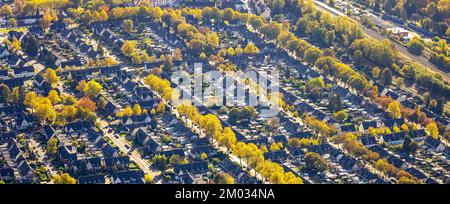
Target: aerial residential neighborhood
[224, 92]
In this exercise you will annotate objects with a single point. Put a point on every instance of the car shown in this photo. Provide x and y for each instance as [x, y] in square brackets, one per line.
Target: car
[127, 146]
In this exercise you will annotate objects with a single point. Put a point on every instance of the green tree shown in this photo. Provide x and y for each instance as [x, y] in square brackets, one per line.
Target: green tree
[315, 162]
[52, 146]
[159, 162]
[223, 178]
[386, 76]
[341, 116]
[409, 146]
[416, 46]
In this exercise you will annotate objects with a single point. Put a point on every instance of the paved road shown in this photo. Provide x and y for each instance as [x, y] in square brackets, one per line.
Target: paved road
[200, 132]
[402, 49]
[40, 153]
[121, 143]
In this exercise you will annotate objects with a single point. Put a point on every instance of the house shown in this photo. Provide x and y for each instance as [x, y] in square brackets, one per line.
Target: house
[36, 30]
[4, 52]
[23, 121]
[136, 120]
[431, 180]
[335, 154]
[380, 151]
[39, 80]
[394, 138]
[345, 128]
[163, 3]
[26, 171]
[258, 142]
[4, 74]
[109, 151]
[417, 173]
[14, 82]
[199, 3]
[140, 136]
[77, 126]
[7, 174]
[96, 179]
[236, 171]
[111, 108]
[321, 149]
[49, 131]
[110, 71]
[20, 72]
[368, 141]
[207, 149]
[69, 63]
[193, 168]
[364, 127]
[397, 162]
[261, 8]
[14, 61]
[348, 163]
[129, 87]
[276, 156]
[28, 20]
[170, 153]
[67, 153]
[144, 94]
[7, 136]
[81, 74]
[394, 122]
[280, 139]
[418, 135]
[117, 163]
[434, 144]
[128, 177]
[86, 166]
[151, 146]
[367, 175]
[447, 152]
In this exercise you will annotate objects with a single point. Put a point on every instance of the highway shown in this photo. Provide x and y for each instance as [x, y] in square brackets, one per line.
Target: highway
[402, 49]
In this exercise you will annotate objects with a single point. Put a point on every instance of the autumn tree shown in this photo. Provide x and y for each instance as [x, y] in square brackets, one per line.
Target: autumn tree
[6, 92]
[53, 96]
[137, 109]
[51, 77]
[81, 86]
[251, 49]
[46, 20]
[315, 87]
[394, 110]
[64, 178]
[92, 89]
[128, 48]
[87, 104]
[432, 130]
